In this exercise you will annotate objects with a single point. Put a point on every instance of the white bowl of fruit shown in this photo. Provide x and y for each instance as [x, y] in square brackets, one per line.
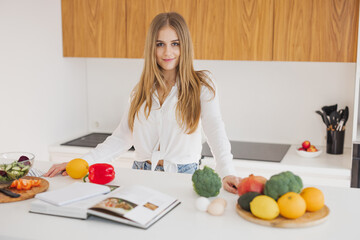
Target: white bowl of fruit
[307, 150]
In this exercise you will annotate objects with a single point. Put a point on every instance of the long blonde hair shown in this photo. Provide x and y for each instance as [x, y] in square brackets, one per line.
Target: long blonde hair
[190, 81]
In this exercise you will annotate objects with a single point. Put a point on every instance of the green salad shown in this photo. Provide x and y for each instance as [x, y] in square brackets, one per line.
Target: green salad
[14, 170]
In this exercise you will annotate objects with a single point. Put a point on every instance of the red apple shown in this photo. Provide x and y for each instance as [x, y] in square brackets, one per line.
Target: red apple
[301, 149]
[306, 144]
[312, 148]
[252, 184]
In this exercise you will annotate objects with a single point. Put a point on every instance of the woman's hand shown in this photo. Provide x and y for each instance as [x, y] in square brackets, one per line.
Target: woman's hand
[55, 169]
[230, 183]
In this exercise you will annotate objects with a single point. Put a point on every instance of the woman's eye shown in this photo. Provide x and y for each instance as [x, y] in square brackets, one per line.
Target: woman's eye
[174, 44]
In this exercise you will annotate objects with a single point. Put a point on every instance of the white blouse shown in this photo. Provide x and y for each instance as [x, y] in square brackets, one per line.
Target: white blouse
[160, 136]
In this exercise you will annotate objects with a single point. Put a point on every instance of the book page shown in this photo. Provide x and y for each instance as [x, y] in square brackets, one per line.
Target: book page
[76, 209]
[74, 192]
[137, 203]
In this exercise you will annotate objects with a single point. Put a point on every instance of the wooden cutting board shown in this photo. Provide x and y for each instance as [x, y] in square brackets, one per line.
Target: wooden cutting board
[25, 194]
[307, 220]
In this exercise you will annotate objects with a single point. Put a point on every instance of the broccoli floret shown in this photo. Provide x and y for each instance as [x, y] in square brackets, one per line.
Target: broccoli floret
[206, 182]
[282, 183]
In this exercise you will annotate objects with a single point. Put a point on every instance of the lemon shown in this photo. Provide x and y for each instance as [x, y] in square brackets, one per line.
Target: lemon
[264, 207]
[77, 168]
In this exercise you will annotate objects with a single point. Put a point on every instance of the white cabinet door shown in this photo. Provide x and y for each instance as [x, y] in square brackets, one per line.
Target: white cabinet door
[356, 128]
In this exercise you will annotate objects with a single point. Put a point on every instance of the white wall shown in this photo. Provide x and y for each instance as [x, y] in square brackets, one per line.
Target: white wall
[43, 97]
[261, 101]
[110, 82]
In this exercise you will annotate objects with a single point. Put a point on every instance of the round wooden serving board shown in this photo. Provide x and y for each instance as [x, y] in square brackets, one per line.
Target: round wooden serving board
[25, 194]
[307, 220]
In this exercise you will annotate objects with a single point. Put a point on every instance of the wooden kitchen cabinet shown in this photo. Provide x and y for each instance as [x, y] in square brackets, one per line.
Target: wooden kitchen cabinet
[261, 30]
[209, 33]
[315, 30]
[233, 30]
[223, 30]
[94, 28]
[248, 30]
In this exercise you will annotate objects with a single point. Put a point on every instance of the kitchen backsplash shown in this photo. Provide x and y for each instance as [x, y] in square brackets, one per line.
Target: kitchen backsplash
[260, 101]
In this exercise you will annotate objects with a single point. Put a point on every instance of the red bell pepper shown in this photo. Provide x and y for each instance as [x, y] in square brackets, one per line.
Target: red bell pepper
[100, 173]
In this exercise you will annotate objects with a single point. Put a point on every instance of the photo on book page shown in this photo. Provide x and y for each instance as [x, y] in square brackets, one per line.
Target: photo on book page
[134, 205]
[150, 206]
[116, 205]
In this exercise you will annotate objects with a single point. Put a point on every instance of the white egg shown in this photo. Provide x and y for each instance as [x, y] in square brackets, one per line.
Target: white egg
[221, 201]
[202, 203]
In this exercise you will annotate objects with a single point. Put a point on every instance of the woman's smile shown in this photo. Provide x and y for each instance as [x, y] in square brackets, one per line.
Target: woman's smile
[169, 59]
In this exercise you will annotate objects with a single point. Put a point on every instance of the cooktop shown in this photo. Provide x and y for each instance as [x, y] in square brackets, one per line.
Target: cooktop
[89, 140]
[241, 150]
[271, 152]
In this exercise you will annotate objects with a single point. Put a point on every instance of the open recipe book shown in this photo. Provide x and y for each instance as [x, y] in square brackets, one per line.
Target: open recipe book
[136, 205]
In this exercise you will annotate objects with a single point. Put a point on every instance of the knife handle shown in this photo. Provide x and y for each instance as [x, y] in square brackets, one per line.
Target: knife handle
[9, 193]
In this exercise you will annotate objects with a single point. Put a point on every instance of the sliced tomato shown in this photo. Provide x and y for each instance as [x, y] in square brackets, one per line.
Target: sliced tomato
[14, 184]
[26, 185]
[36, 182]
[19, 185]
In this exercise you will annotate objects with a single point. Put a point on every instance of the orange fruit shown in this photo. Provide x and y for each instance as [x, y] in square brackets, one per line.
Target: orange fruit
[77, 168]
[291, 205]
[314, 198]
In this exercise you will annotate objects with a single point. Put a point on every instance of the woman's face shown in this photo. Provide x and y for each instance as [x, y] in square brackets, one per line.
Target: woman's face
[167, 49]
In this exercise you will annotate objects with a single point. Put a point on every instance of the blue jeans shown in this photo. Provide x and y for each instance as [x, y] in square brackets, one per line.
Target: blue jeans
[182, 168]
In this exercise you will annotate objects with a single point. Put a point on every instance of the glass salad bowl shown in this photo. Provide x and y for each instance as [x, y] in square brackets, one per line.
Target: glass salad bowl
[14, 165]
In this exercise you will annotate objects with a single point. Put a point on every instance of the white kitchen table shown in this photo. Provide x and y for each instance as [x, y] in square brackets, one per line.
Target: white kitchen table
[182, 222]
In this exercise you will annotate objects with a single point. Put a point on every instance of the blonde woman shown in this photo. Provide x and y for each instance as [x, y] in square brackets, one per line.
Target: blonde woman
[168, 108]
